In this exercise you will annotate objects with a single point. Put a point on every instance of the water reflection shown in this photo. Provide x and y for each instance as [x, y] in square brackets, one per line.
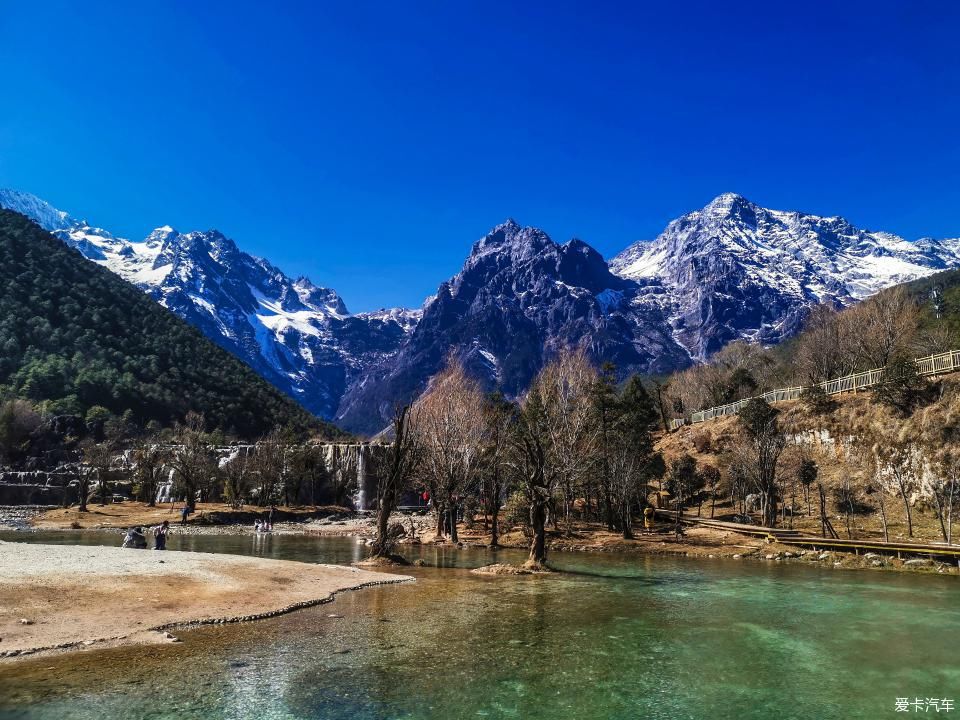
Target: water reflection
[616, 637]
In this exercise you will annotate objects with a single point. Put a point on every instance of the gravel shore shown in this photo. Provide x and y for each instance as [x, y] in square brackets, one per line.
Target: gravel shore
[56, 597]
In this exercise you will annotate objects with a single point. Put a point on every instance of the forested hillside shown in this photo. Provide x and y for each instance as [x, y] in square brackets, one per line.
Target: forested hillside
[939, 298]
[74, 336]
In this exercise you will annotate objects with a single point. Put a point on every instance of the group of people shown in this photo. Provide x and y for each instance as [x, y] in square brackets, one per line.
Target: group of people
[265, 524]
[135, 537]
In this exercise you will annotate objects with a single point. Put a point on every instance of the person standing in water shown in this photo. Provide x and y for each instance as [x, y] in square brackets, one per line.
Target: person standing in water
[160, 535]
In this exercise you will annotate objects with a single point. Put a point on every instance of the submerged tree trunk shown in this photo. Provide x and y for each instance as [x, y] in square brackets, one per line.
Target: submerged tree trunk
[381, 544]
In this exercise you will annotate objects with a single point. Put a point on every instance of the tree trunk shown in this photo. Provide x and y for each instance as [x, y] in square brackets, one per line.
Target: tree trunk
[950, 514]
[943, 526]
[627, 524]
[84, 490]
[381, 546]
[906, 506]
[452, 515]
[769, 509]
[441, 519]
[608, 508]
[823, 512]
[495, 525]
[883, 518]
[538, 522]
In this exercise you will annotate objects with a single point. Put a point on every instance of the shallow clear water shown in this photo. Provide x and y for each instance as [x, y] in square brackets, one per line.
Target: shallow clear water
[614, 637]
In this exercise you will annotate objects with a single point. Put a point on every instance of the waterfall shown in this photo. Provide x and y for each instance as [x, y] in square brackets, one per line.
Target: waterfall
[165, 489]
[360, 498]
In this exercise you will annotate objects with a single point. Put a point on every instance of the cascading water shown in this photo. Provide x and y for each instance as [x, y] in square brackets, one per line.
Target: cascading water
[360, 498]
[165, 490]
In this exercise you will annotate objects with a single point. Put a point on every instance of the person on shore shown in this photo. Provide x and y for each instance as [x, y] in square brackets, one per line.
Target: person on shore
[270, 517]
[135, 539]
[160, 535]
[184, 513]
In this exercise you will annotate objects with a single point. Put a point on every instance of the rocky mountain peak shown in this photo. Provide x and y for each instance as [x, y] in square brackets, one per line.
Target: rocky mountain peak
[40, 211]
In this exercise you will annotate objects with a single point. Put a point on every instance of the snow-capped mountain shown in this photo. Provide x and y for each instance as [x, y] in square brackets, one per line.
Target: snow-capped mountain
[736, 270]
[519, 298]
[732, 270]
[298, 336]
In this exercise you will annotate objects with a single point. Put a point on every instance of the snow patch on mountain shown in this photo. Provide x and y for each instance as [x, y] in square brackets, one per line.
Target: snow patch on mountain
[299, 336]
[736, 270]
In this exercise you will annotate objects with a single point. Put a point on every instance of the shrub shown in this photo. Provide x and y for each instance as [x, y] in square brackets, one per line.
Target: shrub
[816, 400]
[703, 442]
[902, 388]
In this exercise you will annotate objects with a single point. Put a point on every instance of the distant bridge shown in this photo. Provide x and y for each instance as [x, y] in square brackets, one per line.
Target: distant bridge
[929, 366]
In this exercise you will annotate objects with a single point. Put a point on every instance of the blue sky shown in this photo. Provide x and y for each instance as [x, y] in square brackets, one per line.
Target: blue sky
[368, 144]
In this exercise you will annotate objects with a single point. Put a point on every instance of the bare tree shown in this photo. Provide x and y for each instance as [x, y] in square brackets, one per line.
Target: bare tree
[449, 425]
[710, 481]
[394, 469]
[898, 470]
[192, 458]
[883, 327]
[89, 451]
[98, 457]
[823, 350]
[149, 460]
[308, 464]
[494, 472]
[941, 484]
[238, 471]
[565, 387]
[528, 461]
[271, 467]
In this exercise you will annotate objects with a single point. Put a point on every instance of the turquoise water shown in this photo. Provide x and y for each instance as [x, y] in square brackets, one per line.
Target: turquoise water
[614, 637]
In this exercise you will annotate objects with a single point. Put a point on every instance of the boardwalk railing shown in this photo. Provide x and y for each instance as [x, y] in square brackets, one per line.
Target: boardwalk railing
[940, 364]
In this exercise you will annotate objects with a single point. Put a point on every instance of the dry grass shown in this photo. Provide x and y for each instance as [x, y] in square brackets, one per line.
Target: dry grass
[841, 443]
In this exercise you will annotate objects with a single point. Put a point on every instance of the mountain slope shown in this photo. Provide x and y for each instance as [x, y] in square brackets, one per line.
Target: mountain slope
[298, 336]
[75, 335]
[519, 298]
[736, 270]
[732, 270]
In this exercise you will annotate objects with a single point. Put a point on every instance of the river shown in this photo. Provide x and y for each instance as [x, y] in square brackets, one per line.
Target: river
[612, 637]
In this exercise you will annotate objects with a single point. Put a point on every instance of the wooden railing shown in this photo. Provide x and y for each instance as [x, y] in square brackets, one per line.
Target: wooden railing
[940, 364]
